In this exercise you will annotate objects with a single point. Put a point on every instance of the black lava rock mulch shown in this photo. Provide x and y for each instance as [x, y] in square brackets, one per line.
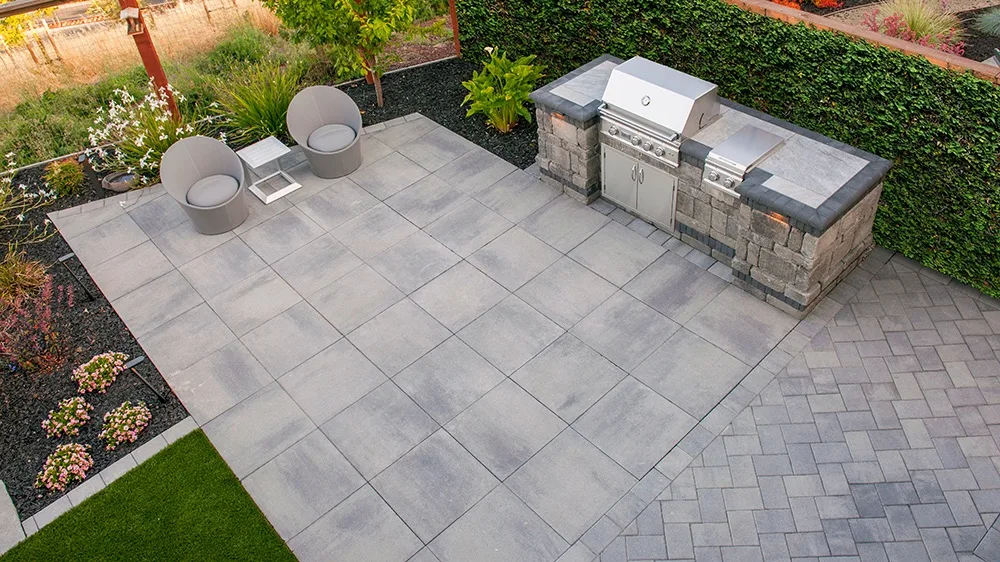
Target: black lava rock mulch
[435, 90]
[978, 45]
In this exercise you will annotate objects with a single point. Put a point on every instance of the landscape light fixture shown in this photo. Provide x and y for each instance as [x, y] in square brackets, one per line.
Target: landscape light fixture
[131, 17]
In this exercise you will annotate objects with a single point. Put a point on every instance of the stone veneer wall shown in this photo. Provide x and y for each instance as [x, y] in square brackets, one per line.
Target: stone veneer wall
[707, 218]
[569, 153]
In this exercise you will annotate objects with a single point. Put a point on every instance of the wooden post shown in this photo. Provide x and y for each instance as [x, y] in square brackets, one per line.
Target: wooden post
[34, 57]
[45, 26]
[151, 60]
[454, 28]
[208, 13]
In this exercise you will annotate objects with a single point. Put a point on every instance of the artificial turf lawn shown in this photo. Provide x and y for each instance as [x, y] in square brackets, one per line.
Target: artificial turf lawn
[182, 504]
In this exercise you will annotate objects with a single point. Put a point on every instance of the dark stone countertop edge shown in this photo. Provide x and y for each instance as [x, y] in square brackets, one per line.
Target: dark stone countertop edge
[545, 98]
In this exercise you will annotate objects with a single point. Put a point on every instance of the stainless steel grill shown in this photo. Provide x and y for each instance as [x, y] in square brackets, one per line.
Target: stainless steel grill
[728, 163]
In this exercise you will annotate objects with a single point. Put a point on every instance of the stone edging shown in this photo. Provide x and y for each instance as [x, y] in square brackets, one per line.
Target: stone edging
[17, 530]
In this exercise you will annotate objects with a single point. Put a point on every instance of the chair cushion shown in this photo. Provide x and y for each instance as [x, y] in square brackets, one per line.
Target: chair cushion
[212, 191]
[331, 138]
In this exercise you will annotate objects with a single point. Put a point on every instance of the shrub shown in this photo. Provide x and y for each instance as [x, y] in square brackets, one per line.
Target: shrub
[17, 202]
[68, 417]
[64, 177]
[69, 463]
[896, 25]
[255, 103]
[98, 373]
[502, 89]
[124, 424]
[427, 9]
[28, 336]
[246, 45]
[20, 277]
[988, 22]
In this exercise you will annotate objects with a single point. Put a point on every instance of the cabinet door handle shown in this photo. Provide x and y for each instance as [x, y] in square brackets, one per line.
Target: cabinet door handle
[640, 174]
[633, 172]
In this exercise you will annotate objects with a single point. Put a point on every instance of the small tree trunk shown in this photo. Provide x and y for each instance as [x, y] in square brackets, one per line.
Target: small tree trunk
[378, 89]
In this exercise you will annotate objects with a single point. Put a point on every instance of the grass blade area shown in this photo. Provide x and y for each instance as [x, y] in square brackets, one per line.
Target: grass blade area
[182, 504]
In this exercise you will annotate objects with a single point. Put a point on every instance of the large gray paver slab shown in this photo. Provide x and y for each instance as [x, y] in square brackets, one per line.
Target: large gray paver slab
[160, 300]
[568, 377]
[331, 380]
[624, 330]
[71, 226]
[373, 231]
[675, 287]
[566, 292]
[219, 382]
[413, 262]
[158, 216]
[282, 234]
[259, 212]
[183, 243]
[388, 176]
[691, 373]
[436, 148]
[499, 528]
[363, 527]
[187, 339]
[355, 298]
[288, 339]
[514, 258]
[253, 301]
[468, 227]
[517, 195]
[316, 265]
[570, 483]
[634, 425]
[395, 136]
[257, 429]
[448, 379]
[222, 267]
[475, 171]
[741, 325]
[337, 204]
[298, 486]
[564, 223]
[378, 429]
[459, 296]
[373, 150]
[11, 531]
[310, 183]
[616, 253]
[434, 484]
[510, 334]
[504, 428]
[130, 270]
[399, 336]
[107, 240]
[426, 200]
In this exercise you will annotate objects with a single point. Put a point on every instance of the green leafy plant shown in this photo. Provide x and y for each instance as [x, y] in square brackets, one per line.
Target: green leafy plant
[925, 18]
[64, 177]
[69, 463]
[255, 102]
[100, 372]
[502, 89]
[246, 45]
[20, 278]
[988, 22]
[124, 424]
[354, 32]
[68, 417]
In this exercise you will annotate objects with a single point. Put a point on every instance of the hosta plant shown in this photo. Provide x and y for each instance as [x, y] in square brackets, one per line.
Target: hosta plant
[69, 463]
[68, 417]
[501, 90]
[98, 373]
[124, 424]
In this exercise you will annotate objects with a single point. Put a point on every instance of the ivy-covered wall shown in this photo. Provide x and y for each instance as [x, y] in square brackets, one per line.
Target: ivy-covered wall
[941, 129]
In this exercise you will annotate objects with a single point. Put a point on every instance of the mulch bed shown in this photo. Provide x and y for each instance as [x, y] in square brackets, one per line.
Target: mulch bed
[87, 329]
[977, 46]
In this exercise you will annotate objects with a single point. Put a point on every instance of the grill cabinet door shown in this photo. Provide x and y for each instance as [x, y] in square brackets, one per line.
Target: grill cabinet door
[618, 177]
[656, 192]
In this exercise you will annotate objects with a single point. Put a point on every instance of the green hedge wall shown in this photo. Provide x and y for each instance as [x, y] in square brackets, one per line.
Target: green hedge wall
[941, 129]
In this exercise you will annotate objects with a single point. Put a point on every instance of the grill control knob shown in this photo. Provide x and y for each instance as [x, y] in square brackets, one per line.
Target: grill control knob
[647, 146]
[658, 151]
[635, 140]
[613, 130]
[729, 183]
[714, 176]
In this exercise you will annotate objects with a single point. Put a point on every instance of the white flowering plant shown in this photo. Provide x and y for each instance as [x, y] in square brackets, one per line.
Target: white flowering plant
[17, 201]
[131, 134]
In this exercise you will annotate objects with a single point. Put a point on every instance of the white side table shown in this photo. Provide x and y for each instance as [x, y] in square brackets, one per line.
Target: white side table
[264, 152]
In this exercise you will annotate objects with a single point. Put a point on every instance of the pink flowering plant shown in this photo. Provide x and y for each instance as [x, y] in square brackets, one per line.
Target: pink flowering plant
[68, 417]
[124, 424]
[69, 463]
[98, 373]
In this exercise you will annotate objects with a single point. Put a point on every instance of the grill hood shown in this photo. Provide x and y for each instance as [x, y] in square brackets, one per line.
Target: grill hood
[660, 97]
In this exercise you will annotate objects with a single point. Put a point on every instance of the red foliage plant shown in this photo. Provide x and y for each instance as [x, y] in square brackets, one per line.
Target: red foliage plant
[28, 336]
[895, 26]
[825, 4]
[788, 3]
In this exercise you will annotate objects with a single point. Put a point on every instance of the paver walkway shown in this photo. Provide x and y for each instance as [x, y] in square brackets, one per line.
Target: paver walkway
[877, 442]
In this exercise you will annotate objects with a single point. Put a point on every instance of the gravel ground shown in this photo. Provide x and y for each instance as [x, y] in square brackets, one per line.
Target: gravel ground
[978, 46]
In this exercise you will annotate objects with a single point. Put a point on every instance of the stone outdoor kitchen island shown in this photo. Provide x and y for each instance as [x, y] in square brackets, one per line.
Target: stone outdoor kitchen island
[789, 210]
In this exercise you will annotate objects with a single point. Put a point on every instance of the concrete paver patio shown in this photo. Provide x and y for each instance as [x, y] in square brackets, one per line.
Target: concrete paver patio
[442, 357]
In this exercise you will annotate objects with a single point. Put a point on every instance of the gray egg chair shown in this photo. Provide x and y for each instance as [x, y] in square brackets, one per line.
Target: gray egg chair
[326, 123]
[209, 182]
